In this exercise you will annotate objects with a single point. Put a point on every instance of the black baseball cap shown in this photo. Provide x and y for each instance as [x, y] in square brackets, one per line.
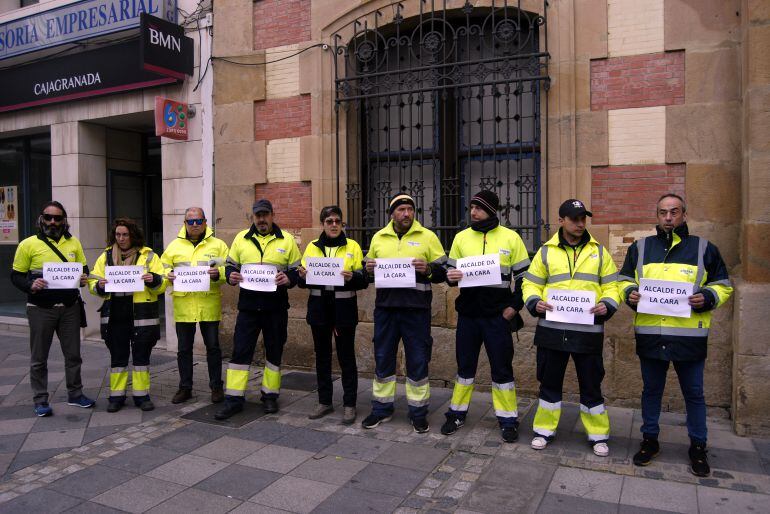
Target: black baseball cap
[573, 208]
[262, 205]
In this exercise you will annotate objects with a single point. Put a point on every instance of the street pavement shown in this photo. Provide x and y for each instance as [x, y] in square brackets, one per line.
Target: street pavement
[178, 459]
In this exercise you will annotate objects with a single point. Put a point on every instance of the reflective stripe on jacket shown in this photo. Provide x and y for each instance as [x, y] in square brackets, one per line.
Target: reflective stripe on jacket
[181, 252]
[587, 267]
[676, 256]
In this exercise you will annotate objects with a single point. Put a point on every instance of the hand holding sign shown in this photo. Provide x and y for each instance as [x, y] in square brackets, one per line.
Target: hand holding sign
[324, 271]
[62, 275]
[394, 273]
[665, 298]
[124, 279]
[571, 306]
[259, 277]
[191, 279]
[480, 270]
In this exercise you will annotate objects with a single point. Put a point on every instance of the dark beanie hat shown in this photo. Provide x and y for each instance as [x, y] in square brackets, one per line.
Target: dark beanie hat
[488, 202]
[400, 199]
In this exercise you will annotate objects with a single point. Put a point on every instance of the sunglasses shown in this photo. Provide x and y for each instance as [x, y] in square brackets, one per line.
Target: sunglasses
[197, 221]
[332, 221]
[55, 217]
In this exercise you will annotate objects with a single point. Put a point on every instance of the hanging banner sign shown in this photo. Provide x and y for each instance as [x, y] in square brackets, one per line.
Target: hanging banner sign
[570, 306]
[324, 271]
[259, 277]
[192, 279]
[480, 270]
[392, 273]
[9, 209]
[77, 21]
[171, 119]
[165, 48]
[62, 275]
[124, 279]
[665, 297]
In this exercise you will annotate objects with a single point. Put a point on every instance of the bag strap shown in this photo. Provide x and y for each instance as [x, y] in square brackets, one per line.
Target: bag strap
[52, 247]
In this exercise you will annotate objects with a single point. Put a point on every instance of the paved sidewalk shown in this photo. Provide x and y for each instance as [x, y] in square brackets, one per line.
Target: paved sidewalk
[90, 461]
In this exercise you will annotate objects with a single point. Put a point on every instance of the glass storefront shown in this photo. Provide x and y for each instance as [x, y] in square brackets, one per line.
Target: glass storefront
[25, 185]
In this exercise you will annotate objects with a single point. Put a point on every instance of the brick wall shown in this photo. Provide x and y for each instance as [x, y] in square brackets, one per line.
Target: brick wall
[627, 194]
[291, 203]
[637, 81]
[282, 71]
[281, 118]
[281, 22]
[634, 27]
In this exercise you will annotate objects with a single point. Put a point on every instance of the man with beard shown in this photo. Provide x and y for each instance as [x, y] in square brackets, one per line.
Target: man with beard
[260, 311]
[51, 310]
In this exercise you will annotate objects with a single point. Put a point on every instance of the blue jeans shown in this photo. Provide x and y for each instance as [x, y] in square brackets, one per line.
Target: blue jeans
[690, 374]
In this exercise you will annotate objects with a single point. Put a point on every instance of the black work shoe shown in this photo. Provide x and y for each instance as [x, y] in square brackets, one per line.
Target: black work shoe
[648, 450]
[320, 411]
[230, 410]
[270, 405]
[699, 463]
[510, 434]
[217, 395]
[114, 406]
[147, 405]
[181, 396]
[451, 425]
[420, 425]
[373, 420]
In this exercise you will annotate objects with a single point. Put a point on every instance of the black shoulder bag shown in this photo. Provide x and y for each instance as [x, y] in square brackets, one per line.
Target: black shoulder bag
[83, 321]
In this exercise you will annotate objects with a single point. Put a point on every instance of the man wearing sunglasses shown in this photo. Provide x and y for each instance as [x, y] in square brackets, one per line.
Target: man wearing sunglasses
[195, 245]
[51, 310]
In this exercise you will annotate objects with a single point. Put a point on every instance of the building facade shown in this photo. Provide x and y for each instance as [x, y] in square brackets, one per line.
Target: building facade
[614, 102]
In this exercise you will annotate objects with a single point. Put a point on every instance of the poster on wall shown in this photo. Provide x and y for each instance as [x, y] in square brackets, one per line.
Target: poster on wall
[9, 215]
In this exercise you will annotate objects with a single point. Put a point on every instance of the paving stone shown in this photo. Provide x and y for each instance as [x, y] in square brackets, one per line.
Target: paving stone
[505, 482]
[12, 442]
[62, 421]
[128, 415]
[308, 440]
[40, 500]
[348, 499]
[561, 504]
[659, 494]
[96, 433]
[17, 426]
[140, 459]
[276, 458]
[228, 449]
[93, 508]
[187, 469]
[294, 494]
[139, 494]
[91, 481]
[329, 469]
[410, 456]
[763, 450]
[193, 500]
[25, 459]
[54, 439]
[189, 437]
[386, 479]
[265, 431]
[241, 482]
[255, 508]
[712, 500]
[359, 448]
[633, 509]
[586, 484]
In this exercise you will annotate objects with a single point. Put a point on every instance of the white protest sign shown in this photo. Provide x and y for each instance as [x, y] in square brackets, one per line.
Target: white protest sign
[192, 279]
[570, 306]
[665, 297]
[259, 277]
[390, 273]
[124, 279]
[324, 271]
[62, 275]
[480, 270]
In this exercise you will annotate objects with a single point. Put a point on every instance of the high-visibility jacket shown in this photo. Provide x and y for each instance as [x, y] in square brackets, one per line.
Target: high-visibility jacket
[417, 243]
[487, 301]
[679, 257]
[28, 262]
[210, 251]
[277, 248]
[335, 305]
[586, 267]
[146, 316]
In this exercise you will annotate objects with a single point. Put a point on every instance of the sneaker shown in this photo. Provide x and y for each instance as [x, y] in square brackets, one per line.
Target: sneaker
[349, 416]
[114, 406]
[648, 450]
[270, 405]
[510, 434]
[43, 410]
[230, 410]
[320, 411]
[217, 395]
[699, 463]
[181, 396]
[420, 425]
[373, 420]
[452, 424]
[82, 401]
[601, 449]
[147, 405]
[539, 442]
